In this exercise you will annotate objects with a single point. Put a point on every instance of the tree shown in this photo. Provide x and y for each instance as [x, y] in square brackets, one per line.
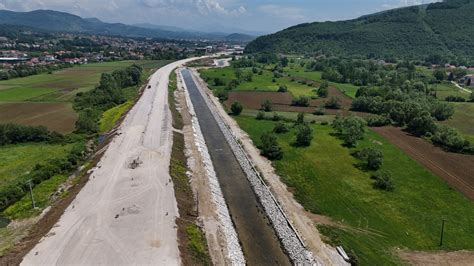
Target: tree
[301, 101]
[270, 147]
[422, 125]
[236, 108]
[260, 115]
[373, 158]
[350, 129]
[267, 106]
[304, 135]
[323, 90]
[280, 128]
[439, 74]
[300, 119]
[383, 181]
[283, 88]
[333, 103]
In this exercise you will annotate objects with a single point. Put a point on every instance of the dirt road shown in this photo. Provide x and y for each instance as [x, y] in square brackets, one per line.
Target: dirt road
[126, 213]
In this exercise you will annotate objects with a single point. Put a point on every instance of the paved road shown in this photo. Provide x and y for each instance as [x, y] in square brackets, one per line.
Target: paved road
[258, 239]
[123, 216]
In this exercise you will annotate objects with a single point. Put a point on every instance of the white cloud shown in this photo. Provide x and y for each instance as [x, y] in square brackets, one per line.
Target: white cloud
[404, 3]
[290, 13]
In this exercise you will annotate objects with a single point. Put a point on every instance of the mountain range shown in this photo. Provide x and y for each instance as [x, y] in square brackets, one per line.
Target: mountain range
[54, 21]
[444, 28]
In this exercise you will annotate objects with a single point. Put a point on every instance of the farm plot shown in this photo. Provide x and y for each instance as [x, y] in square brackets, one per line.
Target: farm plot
[283, 101]
[45, 99]
[59, 117]
[371, 224]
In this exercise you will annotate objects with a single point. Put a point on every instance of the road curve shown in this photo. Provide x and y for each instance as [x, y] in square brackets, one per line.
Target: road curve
[124, 216]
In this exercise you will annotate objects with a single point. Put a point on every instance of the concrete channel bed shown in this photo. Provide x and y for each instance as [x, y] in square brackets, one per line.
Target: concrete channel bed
[246, 193]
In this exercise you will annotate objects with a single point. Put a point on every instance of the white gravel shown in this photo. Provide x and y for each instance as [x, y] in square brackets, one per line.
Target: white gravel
[235, 254]
[287, 234]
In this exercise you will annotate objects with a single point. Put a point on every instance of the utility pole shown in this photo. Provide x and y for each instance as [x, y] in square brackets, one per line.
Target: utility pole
[31, 195]
[442, 233]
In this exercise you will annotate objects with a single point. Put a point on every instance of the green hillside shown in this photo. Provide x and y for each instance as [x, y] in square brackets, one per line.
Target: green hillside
[414, 32]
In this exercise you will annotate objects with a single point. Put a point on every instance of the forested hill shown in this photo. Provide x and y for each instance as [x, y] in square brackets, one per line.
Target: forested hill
[445, 28]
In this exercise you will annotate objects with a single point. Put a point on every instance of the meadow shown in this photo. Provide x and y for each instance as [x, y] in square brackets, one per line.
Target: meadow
[371, 224]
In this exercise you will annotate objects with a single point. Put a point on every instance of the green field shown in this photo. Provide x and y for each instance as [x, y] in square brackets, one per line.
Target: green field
[463, 119]
[370, 223]
[262, 82]
[446, 89]
[16, 160]
[64, 84]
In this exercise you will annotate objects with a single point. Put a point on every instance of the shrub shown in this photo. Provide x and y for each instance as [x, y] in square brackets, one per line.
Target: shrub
[450, 139]
[236, 108]
[223, 95]
[267, 106]
[319, 111]
[260, 115]
[270, 147]
[218, 82]
[452, 98]
[283, 88]
[304, 135]
[377, 121]
[300, 118]
[323, 90]
[280, 128]
[333, 103]
[301, 101]
[277, 117]
[383, 181]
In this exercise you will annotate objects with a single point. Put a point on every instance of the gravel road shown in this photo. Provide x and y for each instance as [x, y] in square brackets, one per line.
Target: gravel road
[126, 213]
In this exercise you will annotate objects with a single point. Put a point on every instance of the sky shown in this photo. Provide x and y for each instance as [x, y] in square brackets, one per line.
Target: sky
[259, 16]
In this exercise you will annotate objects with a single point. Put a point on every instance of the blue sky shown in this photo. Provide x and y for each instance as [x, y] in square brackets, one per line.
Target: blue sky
[215, 15]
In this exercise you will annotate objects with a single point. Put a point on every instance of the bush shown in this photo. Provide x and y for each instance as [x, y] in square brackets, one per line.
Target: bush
[277, 117]
[300, 119]
[453, 98]
[450, 139]
[319, 111]
[223, 95]
[267, 106]
[236, 108]
[323, 90]
[280, 128]
[260, 115]
[270, 147]
[13, 134]
[302, 101]
[383, 181]
[377, 121]
[333, 103]
[283, 88]
[304, 135]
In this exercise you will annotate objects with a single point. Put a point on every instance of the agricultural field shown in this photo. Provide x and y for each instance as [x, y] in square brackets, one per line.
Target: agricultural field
[446, 89]
[463, 119]
[376, 225]
[45, 99]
